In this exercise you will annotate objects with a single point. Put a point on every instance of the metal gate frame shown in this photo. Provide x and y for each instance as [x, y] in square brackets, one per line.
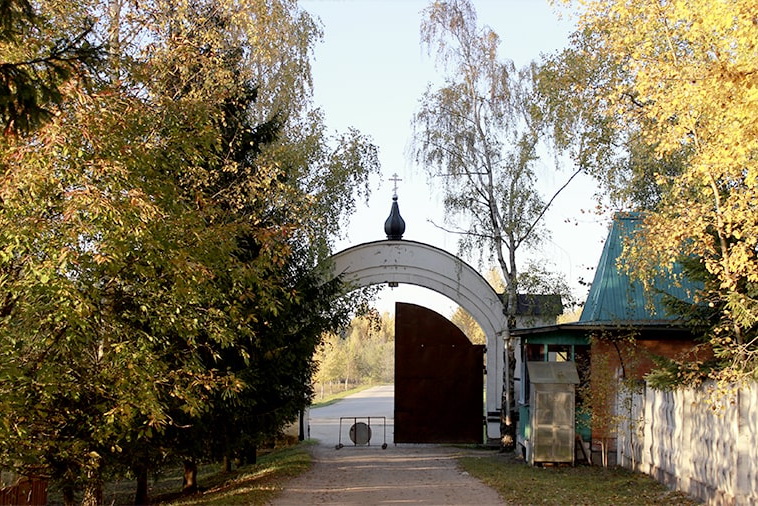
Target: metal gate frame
[355, 422]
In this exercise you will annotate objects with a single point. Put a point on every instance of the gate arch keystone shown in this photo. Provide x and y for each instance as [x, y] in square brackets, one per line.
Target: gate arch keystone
[415, 263]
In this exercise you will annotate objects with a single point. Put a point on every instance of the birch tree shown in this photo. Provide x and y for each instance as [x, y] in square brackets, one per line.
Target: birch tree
[478, 134]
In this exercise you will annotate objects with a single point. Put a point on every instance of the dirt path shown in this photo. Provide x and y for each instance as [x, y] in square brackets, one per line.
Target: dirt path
[410, 474]
[368, 475]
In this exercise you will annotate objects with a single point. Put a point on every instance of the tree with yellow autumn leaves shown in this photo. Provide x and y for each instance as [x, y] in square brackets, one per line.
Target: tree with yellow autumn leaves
[685, 85]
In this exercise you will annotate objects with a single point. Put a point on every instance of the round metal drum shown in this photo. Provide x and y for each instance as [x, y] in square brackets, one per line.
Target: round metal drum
[360, 433]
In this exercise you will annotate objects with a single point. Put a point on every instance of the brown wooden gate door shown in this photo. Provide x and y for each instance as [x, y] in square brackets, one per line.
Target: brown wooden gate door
[438, 380]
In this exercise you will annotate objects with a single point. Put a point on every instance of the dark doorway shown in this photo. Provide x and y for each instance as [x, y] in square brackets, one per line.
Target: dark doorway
[438, 380]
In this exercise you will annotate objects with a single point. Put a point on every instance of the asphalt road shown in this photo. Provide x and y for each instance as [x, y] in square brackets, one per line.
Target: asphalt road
[373, 407]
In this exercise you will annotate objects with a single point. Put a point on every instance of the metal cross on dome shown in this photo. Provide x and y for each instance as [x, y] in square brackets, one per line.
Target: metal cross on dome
[395, 179]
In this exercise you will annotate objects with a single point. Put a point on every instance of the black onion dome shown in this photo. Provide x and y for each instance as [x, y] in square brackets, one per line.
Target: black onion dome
[394, 227]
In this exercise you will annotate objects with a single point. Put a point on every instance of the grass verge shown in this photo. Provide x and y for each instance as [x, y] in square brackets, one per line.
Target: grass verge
[256, 484]
[519, 483]
[332, 398]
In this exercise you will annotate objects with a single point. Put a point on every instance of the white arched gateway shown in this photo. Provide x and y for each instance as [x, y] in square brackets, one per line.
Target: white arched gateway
[414, 263]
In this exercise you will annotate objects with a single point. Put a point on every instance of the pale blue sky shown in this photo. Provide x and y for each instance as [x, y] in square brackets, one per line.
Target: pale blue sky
[369, 73]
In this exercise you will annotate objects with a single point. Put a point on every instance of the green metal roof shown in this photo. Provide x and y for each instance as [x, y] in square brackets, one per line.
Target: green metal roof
[615, 298]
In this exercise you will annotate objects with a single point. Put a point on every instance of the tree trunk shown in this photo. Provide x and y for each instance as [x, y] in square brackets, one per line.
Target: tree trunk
[69, 499]
[252, 454]
[507, 425]
[141, 495]
[189, 484]
[226, 464]
[510, 425]
[93, 487]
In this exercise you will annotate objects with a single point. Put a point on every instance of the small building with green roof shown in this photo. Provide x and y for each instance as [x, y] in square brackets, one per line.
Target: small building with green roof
[622, 327]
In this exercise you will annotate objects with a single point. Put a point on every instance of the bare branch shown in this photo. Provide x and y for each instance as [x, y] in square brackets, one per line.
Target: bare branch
[547, 206]
[461, 232]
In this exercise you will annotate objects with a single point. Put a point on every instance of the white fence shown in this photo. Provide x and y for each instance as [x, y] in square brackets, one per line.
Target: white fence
[683, 440]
